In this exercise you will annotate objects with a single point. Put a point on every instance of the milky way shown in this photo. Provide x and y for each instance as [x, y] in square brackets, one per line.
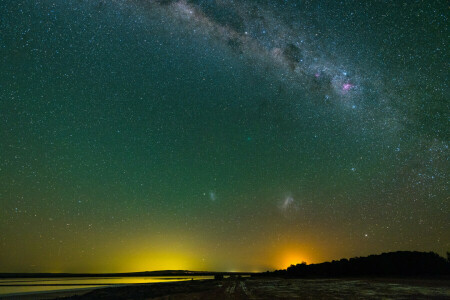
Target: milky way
[220, 135]
[252, 30]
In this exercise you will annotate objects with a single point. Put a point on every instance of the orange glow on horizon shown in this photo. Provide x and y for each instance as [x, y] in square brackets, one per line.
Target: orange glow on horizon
[292, 258]
[292, 254]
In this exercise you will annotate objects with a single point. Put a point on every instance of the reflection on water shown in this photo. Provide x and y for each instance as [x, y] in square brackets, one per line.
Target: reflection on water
[27, 285]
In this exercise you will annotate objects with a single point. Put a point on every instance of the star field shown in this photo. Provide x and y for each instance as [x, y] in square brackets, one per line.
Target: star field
[220, 135]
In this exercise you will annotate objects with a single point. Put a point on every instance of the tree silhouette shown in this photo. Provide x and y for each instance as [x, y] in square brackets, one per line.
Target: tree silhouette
[401, 263]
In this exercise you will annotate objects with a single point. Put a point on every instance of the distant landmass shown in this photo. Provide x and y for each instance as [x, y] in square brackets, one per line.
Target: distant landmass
[401, 263]
[131, 274]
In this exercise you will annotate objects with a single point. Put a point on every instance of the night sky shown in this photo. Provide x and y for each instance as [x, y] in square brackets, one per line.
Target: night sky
[229, 135]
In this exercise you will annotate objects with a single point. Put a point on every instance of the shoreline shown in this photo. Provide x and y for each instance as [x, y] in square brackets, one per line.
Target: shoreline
[259, 288]
[51, 294]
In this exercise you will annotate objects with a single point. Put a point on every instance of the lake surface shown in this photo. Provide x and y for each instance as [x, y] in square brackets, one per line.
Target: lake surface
[29, 285]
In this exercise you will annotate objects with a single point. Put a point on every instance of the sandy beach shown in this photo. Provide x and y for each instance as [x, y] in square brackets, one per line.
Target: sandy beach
[264, 288]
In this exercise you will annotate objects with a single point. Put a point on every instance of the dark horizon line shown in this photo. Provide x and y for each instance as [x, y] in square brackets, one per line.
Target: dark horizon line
[140, 273]
[181, 272]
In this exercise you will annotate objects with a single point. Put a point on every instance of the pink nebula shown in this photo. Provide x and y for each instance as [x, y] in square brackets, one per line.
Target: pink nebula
[347, 86]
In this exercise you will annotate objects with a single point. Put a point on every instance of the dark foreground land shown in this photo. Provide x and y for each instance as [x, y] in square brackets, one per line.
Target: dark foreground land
[269, 288]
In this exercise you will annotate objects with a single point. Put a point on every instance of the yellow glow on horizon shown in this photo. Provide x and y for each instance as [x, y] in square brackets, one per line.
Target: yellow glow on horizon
[164, 260]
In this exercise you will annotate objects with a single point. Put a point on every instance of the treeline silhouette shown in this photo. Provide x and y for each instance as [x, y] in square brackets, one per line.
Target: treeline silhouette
[401, 263]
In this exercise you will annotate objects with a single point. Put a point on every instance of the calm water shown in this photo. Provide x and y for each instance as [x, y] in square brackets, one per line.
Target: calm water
[27, 285]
